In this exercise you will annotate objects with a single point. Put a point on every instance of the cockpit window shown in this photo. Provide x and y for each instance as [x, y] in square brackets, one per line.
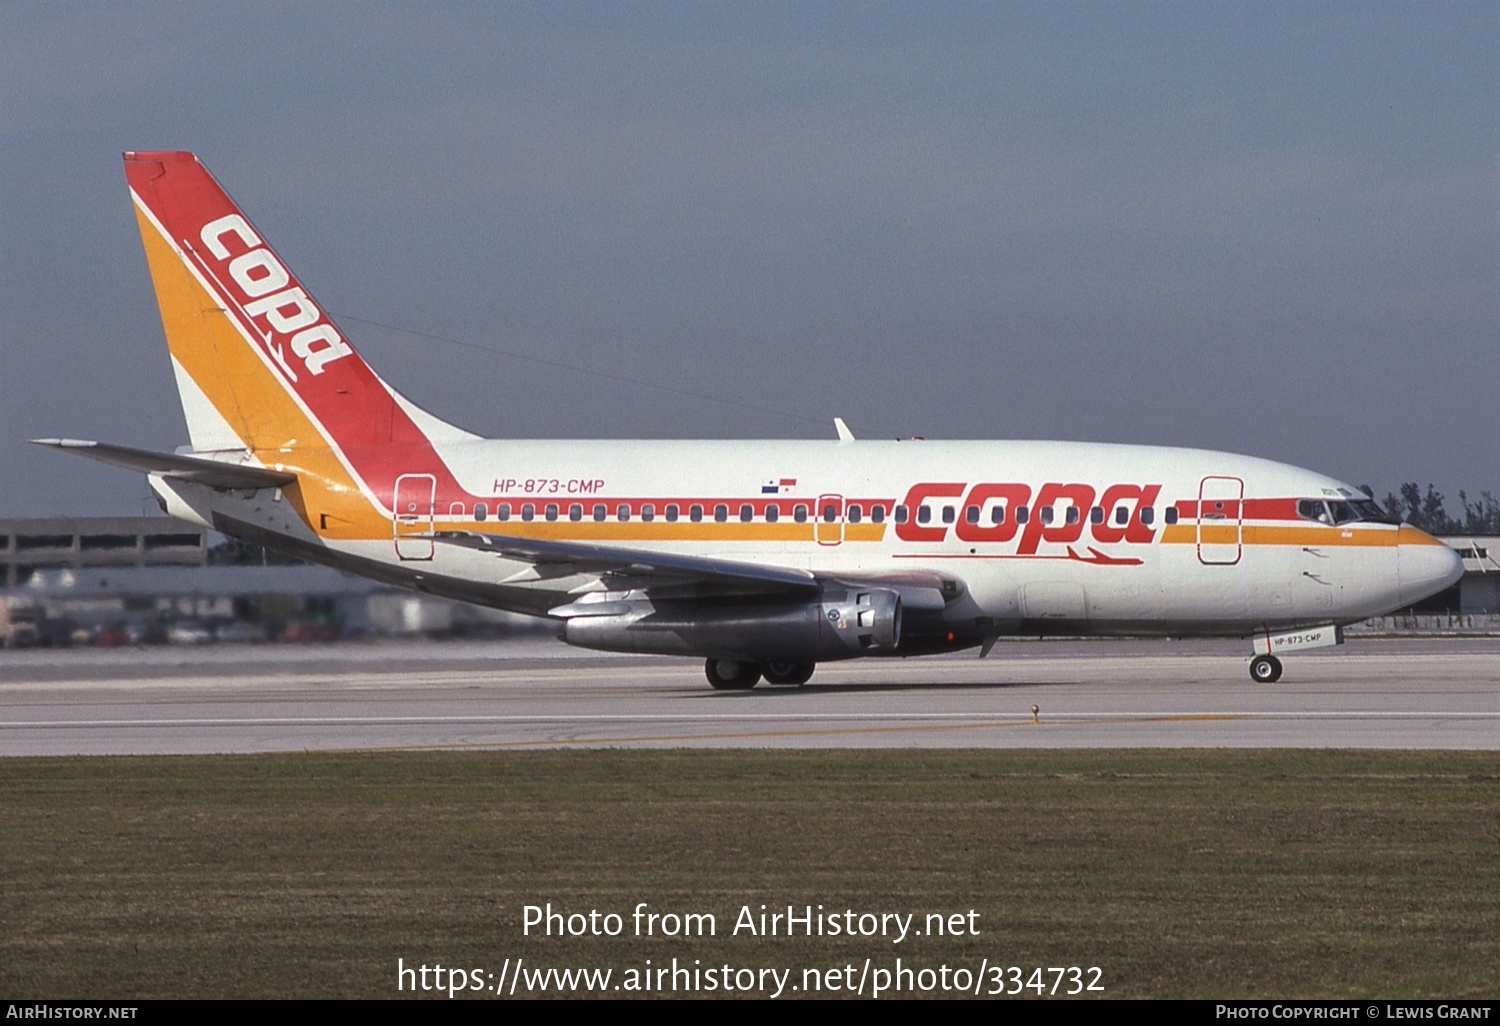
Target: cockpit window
[1341, 511]
[1369, 510]
[1313, 509]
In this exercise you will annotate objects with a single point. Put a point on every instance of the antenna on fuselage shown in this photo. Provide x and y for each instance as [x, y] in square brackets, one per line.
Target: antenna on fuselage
[845, 435]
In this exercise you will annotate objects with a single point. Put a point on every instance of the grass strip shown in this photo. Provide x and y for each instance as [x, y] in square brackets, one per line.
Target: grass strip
[1178, 873]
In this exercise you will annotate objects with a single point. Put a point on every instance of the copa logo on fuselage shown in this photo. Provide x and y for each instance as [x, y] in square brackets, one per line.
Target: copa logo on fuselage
[269, 297]
[1038, 518]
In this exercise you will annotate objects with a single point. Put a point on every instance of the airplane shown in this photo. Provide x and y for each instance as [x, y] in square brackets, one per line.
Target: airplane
[761, 558]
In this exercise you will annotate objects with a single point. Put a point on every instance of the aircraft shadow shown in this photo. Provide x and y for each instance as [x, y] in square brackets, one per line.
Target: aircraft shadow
[814, 690]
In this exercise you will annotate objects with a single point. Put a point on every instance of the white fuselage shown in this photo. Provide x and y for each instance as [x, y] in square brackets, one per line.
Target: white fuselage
[1155, 561]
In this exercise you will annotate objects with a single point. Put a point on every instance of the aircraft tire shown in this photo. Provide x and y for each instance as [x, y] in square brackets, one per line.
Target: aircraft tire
[731, 675]
[788, 674]
[1265, 669]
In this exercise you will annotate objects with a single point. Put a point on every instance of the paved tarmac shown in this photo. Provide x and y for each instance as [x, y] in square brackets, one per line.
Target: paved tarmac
[535, 692]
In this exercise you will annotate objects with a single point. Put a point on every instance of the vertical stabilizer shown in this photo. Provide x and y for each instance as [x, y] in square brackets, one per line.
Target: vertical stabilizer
[259, 365]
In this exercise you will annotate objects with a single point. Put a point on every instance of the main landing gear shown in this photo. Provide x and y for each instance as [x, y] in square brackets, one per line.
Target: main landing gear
[732, 675]
[1265, 669]
[791, 674]
[735, 675]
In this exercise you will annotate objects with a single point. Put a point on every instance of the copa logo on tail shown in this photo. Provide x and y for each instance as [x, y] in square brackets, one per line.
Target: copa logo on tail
[268, 296]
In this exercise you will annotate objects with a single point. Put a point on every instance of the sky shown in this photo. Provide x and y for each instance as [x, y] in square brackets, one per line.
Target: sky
[1268, 228]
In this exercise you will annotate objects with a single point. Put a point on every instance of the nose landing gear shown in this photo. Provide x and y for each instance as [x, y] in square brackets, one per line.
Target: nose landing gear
[1265, 669]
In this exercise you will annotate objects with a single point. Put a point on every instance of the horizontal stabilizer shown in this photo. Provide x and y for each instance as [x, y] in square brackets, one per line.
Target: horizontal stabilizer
[183, 468]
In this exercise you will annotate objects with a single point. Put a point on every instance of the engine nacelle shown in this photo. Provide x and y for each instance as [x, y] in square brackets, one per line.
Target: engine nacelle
[841, 624]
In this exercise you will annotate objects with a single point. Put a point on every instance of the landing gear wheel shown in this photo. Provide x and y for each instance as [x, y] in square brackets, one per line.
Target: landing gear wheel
[1265, 669]
[788, 673]
[732, 675]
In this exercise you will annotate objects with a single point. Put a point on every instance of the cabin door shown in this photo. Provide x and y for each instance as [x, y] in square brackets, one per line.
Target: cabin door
[412, 517]
[1220, 500]
[830, 519]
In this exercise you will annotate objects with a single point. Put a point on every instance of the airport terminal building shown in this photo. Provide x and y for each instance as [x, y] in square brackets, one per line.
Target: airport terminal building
[1478, 593]
[61, 543]
[117, 580]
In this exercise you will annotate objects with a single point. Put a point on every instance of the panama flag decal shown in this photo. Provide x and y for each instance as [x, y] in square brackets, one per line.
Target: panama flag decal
[777, 485]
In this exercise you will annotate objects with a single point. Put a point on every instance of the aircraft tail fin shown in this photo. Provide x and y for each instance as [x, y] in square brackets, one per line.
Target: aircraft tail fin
[259, 365]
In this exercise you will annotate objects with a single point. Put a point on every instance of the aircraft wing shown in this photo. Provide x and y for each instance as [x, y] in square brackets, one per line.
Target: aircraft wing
[187, 468]
[622, 569]
[625, 568]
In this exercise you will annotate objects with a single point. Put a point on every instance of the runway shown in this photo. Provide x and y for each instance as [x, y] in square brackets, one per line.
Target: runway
[535, 692]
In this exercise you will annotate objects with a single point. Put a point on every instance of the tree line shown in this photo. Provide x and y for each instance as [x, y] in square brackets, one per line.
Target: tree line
[1425, 510]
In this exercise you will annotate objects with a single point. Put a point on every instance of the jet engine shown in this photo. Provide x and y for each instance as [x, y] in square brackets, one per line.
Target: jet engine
[841, 623]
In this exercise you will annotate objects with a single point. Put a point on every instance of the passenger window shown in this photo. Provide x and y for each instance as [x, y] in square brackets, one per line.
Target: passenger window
[481, 511]
[1022, 514]
[502, 511]
[599, 511]
[773, 513]
[1171, 514]
[997, 514]
[671, 512]
[1122, 515]
[971, 514]
[575, 512]
[648, 512]
[551, 511]
[721, 512]
[901, 514]
[924, 514]
[855, 513]
[877, 513]
[948, 514]
[747, 512]
[1072, 515]
[622, 512]
[528, 512]
[830, 514]
[1096, 515]
[1148, 515]
[1046, 514]
[695, 513]
[799, 513]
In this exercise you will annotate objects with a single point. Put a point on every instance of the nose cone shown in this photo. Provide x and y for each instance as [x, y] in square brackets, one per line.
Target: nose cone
[1424, 565]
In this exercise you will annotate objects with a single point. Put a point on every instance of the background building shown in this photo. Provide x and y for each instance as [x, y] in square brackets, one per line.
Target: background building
[1479, 591]
[59, 543]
